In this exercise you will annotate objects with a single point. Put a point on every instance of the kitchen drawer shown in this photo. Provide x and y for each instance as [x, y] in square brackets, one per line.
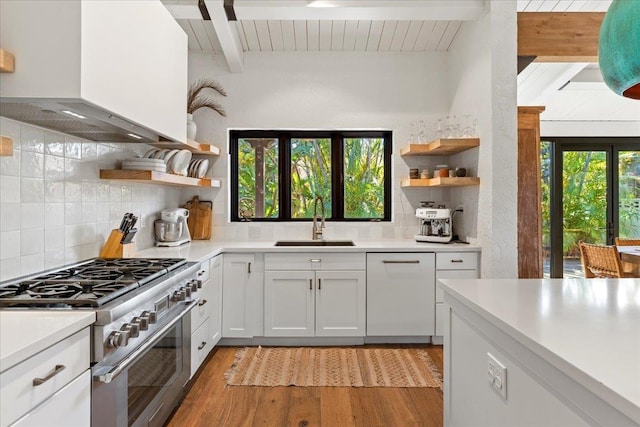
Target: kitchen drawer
[18, 394]
[201, 345]
[456, 261]
[452, 274]
[315, 261]
[203, 272]
[204, 307]
[71, 406]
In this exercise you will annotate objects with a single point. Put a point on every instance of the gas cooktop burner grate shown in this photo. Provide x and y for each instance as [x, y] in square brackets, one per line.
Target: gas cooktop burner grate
[89, 284]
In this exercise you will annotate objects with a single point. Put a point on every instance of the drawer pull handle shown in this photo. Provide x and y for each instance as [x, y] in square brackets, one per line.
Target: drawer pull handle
[457, 260]
[310, 284]
[201, 303]
[394, 261]
[201, 272]
[319, 284]
[249, 268]
[56, 371]
[201, 346]
[315, 260]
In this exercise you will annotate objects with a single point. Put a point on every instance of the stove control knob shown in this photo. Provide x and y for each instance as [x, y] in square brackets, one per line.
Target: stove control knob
[151, 315]
[194, 285]
[179, 295]
[198, 283]
[118, 339]
[132, 330]
[187, 291]
[142, 322]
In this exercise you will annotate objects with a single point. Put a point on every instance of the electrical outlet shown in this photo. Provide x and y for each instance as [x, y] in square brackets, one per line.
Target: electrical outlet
[497, 373]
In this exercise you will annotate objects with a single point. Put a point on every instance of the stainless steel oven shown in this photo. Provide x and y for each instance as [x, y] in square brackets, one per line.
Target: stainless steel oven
[143, 388]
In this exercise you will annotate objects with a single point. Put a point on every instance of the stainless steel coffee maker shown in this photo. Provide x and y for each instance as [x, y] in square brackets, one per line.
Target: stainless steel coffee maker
[171, 229]
[434, 224]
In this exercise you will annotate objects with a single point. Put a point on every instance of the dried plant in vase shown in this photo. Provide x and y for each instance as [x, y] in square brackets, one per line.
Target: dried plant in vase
[196, 100]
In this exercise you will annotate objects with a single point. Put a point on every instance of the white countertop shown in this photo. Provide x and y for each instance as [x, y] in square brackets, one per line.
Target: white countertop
[24, 333]
[580, 326]
[199, 250]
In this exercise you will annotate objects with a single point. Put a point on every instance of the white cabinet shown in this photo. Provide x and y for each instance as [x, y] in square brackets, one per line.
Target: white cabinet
[452, 265]
[241, 296]
[123, 57]
[400, 294]
[35, 386]
[309, 295]
[206, 316]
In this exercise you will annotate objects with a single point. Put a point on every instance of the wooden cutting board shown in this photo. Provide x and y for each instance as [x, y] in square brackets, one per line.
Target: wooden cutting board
[199, 220]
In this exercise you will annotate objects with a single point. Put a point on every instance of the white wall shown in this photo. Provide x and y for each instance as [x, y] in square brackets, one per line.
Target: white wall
[54, 209]
[483, 66]
[326, 90]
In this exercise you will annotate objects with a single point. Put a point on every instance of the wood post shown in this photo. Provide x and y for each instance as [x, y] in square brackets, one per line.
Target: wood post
[529, 198]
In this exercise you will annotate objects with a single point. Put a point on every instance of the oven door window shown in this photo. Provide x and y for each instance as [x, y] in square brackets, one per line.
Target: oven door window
[154, 372]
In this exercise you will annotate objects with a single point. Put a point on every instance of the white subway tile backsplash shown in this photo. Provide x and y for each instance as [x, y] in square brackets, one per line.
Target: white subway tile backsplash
[89, 213]
[33, 263]
[9, 244]
[73, 147]
[89, 191]
[10, 217]
[53, 167]
[31, 241]
[103, 212]
[89, 233]
[115, 193]
[53, 259]
[32, 215]
[89, 152]
[54, 143]
[54, 215]
[10, 268]
[10, 165]
[72, 169]
[32, 139]
[102, 192]
[53, 191]
[72, 235]
[32, 164]
[72, 191]
[53, 239]
[32, 190]
[72, 213]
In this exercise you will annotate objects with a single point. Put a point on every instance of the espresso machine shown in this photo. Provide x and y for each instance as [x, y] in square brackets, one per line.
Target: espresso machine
[171, 229]
[434, 224]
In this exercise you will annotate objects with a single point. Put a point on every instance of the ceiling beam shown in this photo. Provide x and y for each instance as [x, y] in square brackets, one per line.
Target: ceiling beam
[349, 10]
[227, 35]
[183, 9]
[559, 36]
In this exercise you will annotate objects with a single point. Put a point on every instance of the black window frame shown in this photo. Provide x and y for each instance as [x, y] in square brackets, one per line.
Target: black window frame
[284, 164]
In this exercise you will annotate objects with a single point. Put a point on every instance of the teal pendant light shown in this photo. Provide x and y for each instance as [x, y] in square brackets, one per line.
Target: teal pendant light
[619, 48]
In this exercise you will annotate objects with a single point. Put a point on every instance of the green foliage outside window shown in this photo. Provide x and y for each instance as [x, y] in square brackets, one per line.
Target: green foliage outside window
[364, 178]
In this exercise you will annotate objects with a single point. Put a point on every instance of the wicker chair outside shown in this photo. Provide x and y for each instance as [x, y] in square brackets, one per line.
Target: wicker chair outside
[601, 261]
[627, 242]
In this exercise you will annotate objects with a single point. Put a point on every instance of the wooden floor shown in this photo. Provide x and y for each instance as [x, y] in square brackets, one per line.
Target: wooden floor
[210, 403]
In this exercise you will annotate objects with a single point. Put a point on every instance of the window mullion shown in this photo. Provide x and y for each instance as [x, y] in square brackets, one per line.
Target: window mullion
[337, 177]
[284, 147]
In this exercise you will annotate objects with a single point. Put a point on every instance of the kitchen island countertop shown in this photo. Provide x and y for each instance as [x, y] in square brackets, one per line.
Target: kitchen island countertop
[23, 333]
[588, 329]
[199, 250]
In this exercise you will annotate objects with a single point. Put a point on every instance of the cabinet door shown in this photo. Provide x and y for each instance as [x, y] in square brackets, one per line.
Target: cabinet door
[201, 345]
[340, 303]
[215, 288]
[70, 406]
[239, 296]
[401, 294]
[289, 303]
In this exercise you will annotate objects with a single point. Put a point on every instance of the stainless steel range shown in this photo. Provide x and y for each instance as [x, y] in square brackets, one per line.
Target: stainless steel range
[140, 342]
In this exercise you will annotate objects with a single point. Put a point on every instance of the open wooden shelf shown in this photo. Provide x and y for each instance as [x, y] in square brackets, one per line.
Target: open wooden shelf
[6, 146]
[191, 145]
[465, 181]
[157, 178]
[7, 62]
[440, 147]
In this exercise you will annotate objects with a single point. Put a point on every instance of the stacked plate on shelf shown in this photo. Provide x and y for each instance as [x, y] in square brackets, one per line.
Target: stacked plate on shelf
[144, 164]
[198, 168]
[176, 161]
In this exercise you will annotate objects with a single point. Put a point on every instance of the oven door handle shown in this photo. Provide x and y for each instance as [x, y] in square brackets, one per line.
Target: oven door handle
[106, 374]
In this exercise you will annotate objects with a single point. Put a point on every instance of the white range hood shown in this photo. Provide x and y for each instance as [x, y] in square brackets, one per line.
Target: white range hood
[102, 70]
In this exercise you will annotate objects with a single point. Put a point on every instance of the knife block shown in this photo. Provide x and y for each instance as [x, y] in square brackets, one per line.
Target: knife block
[114, 249]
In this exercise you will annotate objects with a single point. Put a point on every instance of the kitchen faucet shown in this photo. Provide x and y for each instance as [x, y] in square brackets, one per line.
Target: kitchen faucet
[317, 228]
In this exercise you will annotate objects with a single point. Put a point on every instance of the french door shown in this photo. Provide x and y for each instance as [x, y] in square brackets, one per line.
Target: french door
[594, 196]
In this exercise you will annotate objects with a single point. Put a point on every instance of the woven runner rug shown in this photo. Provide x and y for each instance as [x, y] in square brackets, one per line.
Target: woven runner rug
[334, 367]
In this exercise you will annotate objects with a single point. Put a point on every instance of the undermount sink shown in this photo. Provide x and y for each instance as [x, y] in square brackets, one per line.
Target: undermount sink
[315, 243]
